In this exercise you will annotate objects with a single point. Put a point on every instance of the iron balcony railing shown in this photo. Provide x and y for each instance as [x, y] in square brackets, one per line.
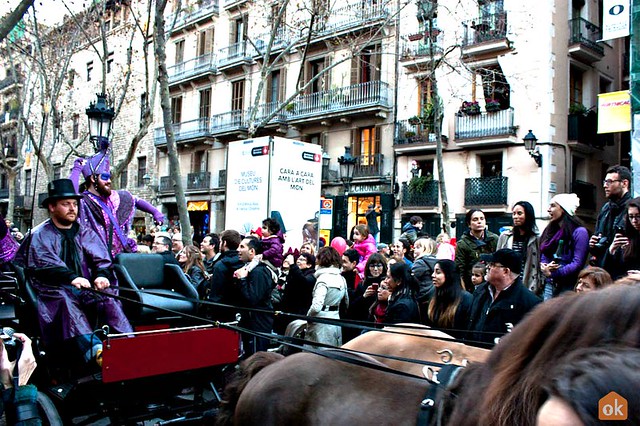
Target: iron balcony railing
[192, 68]
[165, 184]
[192, 129]
[222, 178]
[372, 93]
[484, 125]
[420, 49]
[351, 16]
[425, 198]
[9, 115]
[192, 13]
[229, 121]
[486, 191]
[586, 192]
[407, 133]
[280, 41]
[236, 52]
[369, 165]
[4, 192]
[488, 27]
[585, 33]
[199, 180]
[267, 109]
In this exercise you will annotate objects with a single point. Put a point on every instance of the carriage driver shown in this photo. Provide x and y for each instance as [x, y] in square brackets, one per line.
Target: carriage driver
[62, 260]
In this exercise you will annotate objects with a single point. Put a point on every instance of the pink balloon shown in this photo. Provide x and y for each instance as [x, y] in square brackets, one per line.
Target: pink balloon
[339, 244]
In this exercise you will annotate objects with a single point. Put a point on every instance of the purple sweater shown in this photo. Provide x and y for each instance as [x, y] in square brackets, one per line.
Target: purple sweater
[573, 261]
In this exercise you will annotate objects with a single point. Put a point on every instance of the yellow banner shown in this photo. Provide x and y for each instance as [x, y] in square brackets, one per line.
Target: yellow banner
[614, 112]
[197, 206]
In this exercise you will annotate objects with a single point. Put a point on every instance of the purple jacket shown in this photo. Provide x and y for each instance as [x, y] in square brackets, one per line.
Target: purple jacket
[273, 250]
[573, 259]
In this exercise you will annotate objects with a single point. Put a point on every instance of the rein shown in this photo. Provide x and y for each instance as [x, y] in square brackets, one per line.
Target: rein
[442, 380]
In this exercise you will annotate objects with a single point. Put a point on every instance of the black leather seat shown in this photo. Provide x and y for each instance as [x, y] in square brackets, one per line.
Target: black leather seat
[148, 272]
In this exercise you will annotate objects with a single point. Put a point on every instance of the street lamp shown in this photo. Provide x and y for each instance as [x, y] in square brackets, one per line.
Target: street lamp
[530, 141]
[347, 167]
[100, 116]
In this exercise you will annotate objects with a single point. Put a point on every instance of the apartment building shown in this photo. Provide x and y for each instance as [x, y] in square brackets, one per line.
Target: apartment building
[513, 68]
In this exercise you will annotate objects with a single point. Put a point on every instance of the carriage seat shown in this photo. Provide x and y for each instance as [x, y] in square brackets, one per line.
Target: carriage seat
[143, 271]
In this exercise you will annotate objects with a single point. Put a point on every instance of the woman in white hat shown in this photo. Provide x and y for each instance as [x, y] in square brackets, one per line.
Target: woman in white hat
[564, 246]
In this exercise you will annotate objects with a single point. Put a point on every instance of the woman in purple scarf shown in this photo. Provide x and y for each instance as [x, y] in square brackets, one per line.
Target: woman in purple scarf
[564, 246]
[8, 246]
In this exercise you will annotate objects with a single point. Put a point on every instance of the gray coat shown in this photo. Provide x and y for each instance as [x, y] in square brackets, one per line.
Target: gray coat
[329, 292]
[532, 276]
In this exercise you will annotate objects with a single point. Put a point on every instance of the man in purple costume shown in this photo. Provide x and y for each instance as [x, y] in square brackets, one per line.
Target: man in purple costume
[63, 258]
[101, 206]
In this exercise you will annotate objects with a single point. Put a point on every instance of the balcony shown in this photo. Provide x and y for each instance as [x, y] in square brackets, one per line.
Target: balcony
[9, 116]
[413, 137]
[188, 130]
[428, 197]
[230, 122]
[280, 41]
[586, 192]
[234, 3]
[234, 55]
[487, 34]
[192, 14]
[485, 191]
[10, 81]
[356, 16]
[265, 110]
[417, 55]
[368, 166]
[4, 192]
[165, 184]
[487, 127]
[583, 41]
[198, 181]
[353, 99]
[194, 68]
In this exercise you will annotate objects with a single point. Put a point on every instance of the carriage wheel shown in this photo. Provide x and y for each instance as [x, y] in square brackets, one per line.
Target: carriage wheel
[48, 411]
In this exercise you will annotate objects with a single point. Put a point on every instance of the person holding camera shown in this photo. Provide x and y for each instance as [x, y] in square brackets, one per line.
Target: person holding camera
[19, 399]
[623, 254]
[617, 185]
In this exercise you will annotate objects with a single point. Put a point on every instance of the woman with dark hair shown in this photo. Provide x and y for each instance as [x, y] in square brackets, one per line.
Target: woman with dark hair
[564, 246]
[403, 306]
[329, 292]
[623, 254]
[523, 238]
[450, 306]
[592, 278]
[298, 290]
[585, 377]
[190, 259]
[361, 299]
[378, 311]
[476, 241]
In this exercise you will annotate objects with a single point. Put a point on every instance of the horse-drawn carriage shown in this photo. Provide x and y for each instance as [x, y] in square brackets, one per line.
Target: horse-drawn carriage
[170, 369]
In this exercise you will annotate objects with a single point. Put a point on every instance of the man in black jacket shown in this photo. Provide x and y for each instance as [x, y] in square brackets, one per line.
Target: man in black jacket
[501, 302]
[617, 186]
[255, 292]
[220, 286]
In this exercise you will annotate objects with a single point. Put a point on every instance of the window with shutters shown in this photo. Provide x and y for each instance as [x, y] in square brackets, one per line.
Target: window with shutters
[199, 162]
[205, 42]
[237, 95]
[367, 65]
[27, 183]
[109, 62]
[176, 109]
[142, 170]
[317, 76]
[89, 70]
[366, 146]
[179, 58]
[124, 178]
[276, 85]
[75, 129]
[205, 103]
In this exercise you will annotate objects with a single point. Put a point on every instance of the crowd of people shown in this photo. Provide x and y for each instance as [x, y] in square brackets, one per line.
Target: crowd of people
[477, 288]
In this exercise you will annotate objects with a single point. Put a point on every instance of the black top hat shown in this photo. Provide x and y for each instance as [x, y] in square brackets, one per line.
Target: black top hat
[60, 189]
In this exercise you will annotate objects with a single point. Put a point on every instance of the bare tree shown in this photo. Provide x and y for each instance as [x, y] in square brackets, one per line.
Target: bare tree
[165, 103]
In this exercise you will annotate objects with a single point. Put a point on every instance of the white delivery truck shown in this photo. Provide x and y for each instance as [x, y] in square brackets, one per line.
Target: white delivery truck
[278, 178]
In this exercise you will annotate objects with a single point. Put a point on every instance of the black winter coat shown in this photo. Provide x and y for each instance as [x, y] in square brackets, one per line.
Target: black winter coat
[221, 288]
[489, 320]
[255, 292]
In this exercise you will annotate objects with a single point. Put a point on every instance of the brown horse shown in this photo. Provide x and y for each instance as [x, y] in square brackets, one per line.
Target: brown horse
[505, 390]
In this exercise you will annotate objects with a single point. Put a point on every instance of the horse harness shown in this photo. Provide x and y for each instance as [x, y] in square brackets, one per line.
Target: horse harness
[438, 383]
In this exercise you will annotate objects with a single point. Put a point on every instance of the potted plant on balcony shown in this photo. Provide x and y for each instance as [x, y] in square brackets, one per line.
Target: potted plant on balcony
[470, 107]
[418, 184]
[492, 105]
[291, 107]
[414, 121]
[577, 108]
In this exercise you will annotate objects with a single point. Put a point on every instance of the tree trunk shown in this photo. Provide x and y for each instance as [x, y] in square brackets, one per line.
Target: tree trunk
[165, 103]
[13, 18]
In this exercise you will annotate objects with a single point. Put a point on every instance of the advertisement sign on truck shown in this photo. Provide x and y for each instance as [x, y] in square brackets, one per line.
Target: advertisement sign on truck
[278, 178]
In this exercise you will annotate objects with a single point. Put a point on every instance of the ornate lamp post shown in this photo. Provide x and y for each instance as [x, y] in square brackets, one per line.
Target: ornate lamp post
[100, 116]
[530, 141]
[347, 167]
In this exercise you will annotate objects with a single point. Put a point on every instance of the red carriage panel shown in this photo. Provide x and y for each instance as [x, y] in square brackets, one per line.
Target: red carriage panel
[167, 351]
